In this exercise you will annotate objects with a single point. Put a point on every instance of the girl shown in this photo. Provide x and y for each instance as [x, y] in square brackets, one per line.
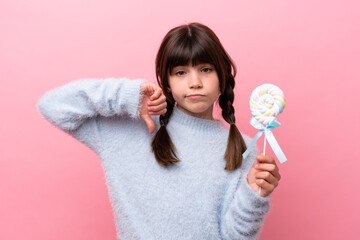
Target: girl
[185, 178]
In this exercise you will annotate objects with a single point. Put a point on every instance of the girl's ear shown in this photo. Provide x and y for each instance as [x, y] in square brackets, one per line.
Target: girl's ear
[168, 90]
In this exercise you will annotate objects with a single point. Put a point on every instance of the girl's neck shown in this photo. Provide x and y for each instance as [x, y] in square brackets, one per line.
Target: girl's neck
[184, 124]
[208, 114]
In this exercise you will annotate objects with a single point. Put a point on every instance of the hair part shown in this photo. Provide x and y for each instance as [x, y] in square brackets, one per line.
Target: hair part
[196, 43]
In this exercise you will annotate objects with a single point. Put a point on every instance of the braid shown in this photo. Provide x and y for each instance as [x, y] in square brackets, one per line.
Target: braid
[226, 101]
[236, 145]
[164, 119]
[162, 146]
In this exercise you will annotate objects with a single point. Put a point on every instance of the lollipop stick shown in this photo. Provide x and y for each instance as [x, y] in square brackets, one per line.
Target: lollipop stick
[264, 155]
[264, 145]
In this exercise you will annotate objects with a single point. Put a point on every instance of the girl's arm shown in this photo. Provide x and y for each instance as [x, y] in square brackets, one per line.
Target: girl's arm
[74, 107]
[246, 212]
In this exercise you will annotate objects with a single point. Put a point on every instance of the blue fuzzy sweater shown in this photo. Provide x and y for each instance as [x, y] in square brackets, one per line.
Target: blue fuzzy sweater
[193, 199]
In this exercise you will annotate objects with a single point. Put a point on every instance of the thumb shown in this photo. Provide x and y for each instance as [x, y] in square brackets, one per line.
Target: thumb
[149, 122]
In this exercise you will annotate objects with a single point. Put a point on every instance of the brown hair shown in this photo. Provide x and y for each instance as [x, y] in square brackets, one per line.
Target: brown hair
[196, 43]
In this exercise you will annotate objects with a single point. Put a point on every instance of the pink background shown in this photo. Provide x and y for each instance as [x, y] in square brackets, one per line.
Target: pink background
[53, 187]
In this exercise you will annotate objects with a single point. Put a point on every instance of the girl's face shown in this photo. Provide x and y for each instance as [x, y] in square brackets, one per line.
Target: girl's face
[195, 89]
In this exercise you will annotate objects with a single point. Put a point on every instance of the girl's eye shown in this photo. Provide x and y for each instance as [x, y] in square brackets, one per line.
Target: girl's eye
[207, 69]
[178, 73]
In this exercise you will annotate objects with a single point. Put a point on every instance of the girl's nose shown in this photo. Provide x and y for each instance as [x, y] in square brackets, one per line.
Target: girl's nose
[195, 81]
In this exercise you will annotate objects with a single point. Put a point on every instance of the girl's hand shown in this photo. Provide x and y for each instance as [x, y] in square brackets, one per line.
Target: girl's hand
[153, 102]
[265, 174]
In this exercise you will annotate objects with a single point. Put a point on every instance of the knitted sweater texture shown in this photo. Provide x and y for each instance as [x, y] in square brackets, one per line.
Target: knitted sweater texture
[195, 198]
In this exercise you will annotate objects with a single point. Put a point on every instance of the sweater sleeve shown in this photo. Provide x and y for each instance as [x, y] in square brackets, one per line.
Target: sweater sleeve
[74, 107]
[247, 210]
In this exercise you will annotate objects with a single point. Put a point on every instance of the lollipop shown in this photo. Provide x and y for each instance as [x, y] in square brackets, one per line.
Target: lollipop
[267, 101]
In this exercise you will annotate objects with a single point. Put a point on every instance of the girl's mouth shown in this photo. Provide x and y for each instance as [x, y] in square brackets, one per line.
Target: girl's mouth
[195, 96]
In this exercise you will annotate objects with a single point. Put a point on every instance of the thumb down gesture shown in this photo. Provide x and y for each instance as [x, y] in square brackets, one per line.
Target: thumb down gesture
[153, 102]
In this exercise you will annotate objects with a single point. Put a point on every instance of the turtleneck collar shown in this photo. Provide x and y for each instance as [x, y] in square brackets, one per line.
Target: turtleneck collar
[194, 125]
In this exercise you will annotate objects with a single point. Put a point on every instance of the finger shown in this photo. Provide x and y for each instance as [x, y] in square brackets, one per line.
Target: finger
[149, 122]
[265, 158]
[267, 176]
[156, 94]
[157, 108]
[265, 186]
[157, 101]
[266, 167]
[270, 167]
[163, 111]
